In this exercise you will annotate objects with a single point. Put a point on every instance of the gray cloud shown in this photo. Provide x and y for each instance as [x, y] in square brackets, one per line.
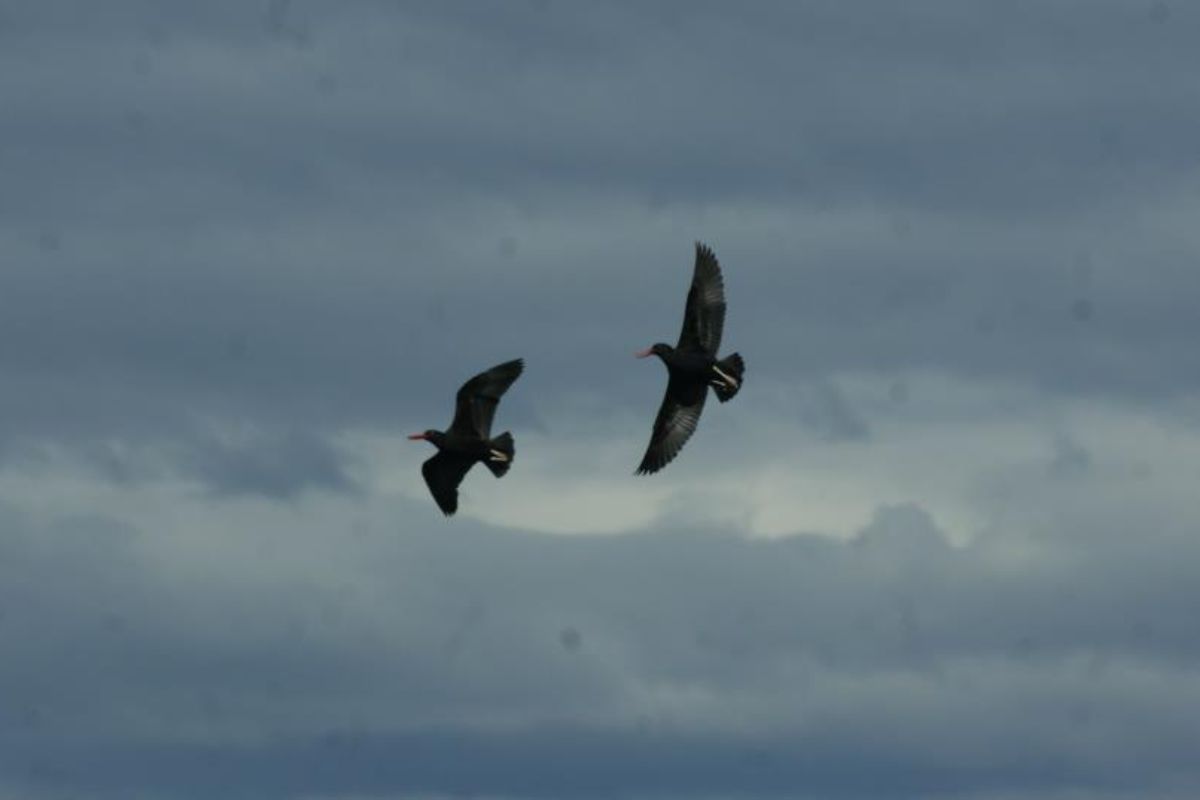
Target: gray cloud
[218, 230]
[956, 236]
[1070, 458]
[826, 410]
[272, 466]
[890, 664]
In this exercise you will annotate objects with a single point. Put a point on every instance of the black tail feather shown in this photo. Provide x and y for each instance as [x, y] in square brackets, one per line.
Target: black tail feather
[502, 444]
[733, 367]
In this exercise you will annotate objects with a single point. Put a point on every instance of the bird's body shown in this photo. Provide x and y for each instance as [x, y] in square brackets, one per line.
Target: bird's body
[468, 440]
[464, 445]
[693, 365]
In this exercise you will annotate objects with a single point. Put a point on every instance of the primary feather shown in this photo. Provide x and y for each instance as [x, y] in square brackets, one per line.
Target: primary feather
[704, 315]
[475, 404]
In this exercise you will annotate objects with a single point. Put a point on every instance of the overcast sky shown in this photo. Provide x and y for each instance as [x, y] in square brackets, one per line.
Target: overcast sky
[944, 544]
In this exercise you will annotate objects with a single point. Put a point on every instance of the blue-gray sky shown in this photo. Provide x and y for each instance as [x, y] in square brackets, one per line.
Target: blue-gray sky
[943, 545]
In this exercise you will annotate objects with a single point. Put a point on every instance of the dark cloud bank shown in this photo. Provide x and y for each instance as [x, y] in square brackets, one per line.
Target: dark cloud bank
[700, 664]
[274, 213]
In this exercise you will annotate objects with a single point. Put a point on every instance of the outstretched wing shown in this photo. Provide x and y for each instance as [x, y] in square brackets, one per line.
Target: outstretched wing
[704, 318]
[675, 424]
[476, 402]
[443, 473]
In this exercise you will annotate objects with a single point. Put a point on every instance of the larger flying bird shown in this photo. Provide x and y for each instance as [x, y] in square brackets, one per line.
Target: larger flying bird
[692, 365]
[469, 437]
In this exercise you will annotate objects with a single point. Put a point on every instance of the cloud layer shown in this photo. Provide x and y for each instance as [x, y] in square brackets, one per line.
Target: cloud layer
[939, 547]
[295, 658]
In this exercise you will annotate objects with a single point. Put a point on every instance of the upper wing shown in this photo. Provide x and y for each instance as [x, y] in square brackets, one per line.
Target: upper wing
[443, 473]
[674, 425]
[476, 402]
[704, 318]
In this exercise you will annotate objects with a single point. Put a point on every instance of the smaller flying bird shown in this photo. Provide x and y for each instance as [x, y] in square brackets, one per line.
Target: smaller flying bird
[469, 437]
[692, 365]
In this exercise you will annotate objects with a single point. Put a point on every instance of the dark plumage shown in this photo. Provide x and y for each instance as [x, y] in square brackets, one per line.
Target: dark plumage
[469, 437]
[692, 365]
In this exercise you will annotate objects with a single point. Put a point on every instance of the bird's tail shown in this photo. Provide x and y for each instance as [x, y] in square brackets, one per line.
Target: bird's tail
[727, 376]
[500, 454]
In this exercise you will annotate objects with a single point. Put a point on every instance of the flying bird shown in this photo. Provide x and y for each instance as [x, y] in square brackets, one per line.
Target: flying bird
[692, 365]
[469, 437]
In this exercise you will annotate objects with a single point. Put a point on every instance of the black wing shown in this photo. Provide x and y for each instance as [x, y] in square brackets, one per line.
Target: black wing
[675, 424]
[704, 318]
[476, 402]
[443, 473]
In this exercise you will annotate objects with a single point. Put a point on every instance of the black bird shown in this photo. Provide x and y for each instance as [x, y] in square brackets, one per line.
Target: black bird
[692, 365]
[469, 437]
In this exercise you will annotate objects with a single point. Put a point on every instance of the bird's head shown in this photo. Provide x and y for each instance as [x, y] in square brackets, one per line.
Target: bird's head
[432, 436]
[659, 349]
